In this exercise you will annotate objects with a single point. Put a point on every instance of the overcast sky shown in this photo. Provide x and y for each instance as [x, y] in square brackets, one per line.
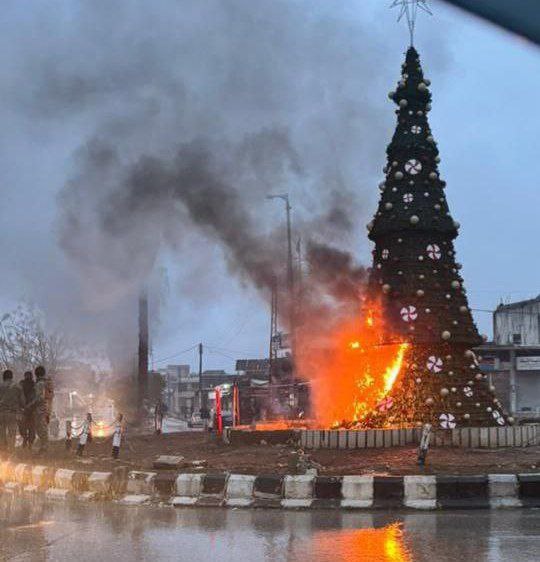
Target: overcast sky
[145, 77]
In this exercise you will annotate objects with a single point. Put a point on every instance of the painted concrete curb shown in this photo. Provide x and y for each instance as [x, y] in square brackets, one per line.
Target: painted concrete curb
[349, 492]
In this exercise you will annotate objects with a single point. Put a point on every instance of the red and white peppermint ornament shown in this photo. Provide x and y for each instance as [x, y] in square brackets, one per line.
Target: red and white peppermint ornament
[467, 390]
[408, 197]
[434, 252]
[408, 313]
[385, 253]
[434, 364]
[416, 129]
[447, 421]
[413, 166]
[385, 404]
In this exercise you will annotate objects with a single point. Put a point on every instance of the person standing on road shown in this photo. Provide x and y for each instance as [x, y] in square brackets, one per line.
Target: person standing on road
[11, 405]
[158, 416]
[26, 425]
[41, 407]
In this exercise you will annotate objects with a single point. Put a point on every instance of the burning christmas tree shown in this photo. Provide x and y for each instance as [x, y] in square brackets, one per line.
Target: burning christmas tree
[417, 280]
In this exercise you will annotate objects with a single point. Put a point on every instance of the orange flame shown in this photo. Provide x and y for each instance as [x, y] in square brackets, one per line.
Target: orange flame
[354, 372]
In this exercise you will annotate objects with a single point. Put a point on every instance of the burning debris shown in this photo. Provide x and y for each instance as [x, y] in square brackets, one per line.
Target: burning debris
[354, 371]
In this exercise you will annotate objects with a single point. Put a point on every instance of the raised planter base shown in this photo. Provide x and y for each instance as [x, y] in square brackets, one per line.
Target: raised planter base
[467, 437]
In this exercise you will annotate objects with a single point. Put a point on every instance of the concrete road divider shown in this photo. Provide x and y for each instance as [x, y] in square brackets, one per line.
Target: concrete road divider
[135, 499]
[213, 489]
[463, 492]
[188, 488]
[22, 474]
[165, 484]
[140, 483]
[298, 491]
[327, 492]
[7, 471]
[12, 488]
[420, 492]
[119, 480]
[100, 483]
[89, 496]
[43, 477]
[529, 489]
[357, 492]
[239, 491]
[61, 494]
[72, 480]
[274, 490]
[388, 491]
[503, 490]
[268, 490]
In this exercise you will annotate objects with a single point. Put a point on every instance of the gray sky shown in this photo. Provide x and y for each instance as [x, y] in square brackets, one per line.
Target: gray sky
[144, 78]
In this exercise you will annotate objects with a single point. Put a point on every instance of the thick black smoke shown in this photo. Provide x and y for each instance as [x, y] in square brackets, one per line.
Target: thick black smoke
[183, 116]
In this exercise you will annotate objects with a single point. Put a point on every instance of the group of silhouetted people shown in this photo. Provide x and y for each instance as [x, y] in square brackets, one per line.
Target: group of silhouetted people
[26, 407]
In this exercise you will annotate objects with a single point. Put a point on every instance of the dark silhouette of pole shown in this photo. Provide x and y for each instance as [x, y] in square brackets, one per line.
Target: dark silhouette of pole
[201, 401]
[290, 271]
[273, 329]
[142, 372]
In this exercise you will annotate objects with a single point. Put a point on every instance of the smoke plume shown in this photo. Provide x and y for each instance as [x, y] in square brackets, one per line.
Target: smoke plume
[177, 119]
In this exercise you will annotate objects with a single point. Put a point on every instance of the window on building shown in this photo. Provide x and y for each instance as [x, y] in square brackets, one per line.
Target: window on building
[516, 339]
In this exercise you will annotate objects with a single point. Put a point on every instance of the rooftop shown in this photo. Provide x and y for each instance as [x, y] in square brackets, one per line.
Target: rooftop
[519, 304]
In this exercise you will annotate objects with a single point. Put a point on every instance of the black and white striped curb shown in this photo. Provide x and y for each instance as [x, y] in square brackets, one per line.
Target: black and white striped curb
[276, 491]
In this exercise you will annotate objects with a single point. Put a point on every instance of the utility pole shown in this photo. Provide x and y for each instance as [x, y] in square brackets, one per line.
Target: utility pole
[290, 271]
[273, 328]
[142, 372]
[201, 401]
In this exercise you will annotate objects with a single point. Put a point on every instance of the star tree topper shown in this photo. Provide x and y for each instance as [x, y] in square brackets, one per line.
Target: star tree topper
[409, 9]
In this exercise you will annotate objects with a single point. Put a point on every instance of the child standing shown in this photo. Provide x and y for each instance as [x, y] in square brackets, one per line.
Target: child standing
[86, 434]
[118, 435]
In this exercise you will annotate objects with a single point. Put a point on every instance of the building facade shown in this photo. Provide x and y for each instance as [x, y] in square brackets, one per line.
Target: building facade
[512, 359]
[182, 388]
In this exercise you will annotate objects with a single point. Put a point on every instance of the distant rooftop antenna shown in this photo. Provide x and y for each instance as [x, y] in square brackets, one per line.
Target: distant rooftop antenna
[409, 9]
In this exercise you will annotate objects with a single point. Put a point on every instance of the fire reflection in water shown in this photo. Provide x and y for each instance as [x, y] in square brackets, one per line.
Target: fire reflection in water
[359, 545]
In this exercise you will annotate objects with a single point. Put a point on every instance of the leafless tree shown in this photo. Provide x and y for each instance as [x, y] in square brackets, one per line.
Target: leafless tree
[25, 342]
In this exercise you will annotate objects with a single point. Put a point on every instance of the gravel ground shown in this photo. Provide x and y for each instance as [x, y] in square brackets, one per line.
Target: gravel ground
[140, 451]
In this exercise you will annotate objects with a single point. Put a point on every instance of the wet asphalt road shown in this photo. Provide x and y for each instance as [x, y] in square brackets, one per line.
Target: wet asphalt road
[34, 530]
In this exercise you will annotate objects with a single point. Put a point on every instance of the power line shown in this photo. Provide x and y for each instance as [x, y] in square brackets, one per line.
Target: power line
[521, 313]
[176, 354]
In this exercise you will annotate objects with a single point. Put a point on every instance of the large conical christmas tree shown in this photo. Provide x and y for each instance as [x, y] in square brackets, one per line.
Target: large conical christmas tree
[417, 279]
